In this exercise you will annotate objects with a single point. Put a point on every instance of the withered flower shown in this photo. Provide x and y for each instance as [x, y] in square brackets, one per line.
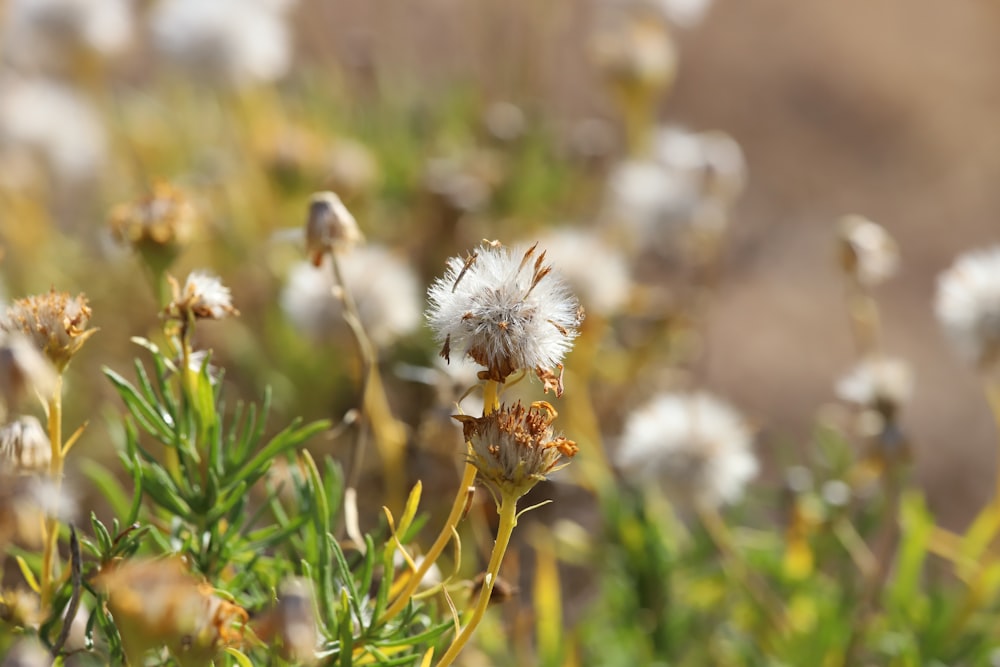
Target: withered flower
[159, 603]
[514, 448]
[203, 297]
[159, 223]
[330, 227]
[55, 322]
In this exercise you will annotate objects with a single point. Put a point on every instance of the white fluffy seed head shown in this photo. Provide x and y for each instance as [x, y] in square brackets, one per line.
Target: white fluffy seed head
[505, 309]
[868, 251]
[229, 42]
[602, 281]
[24, 446]
[696, 447]
[384, 287]
[880, 383]
[968, 306]
[202, 297]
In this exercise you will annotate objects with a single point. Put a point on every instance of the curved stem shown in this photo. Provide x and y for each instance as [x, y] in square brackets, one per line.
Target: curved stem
[457, 510]
[508, 519]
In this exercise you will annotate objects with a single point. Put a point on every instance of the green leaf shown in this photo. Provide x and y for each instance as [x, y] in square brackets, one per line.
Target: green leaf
[107, 484]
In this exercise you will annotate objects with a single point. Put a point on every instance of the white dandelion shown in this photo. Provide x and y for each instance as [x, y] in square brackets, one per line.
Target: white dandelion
[384, 287]
[878, 383]
[696, 447]
[24, 446]
[54, 123]
[202, 297]
[602, 281]
[968, 306]
[49, 35]
[229, 42]
[505, 309]
[869, 252]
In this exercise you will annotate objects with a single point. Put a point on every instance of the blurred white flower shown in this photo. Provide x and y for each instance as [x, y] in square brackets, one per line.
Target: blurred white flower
[635, 49]
[230, 42]
[24, 446]
[684, 13]
[46, 36]
[202, 297]
[869, 252]
[878, 382]
[385, 290]
[968, 306]
[23, 369]
[687, 183]
[696, 447]
[594, 269]
[53, 122]
[505, 309]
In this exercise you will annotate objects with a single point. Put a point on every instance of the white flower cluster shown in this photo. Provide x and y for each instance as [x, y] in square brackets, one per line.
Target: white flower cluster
[696, 447]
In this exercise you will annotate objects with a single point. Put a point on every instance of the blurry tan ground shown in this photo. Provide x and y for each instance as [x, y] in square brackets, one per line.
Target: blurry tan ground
[889, 109]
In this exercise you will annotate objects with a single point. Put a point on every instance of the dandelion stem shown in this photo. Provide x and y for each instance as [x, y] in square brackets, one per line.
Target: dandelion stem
[50, 554]
[491, 397]
[508, 519]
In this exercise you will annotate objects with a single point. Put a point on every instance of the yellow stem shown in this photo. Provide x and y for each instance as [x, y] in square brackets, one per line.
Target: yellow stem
[50, 554]
[491, 397]
[457, 509]
[508, 519]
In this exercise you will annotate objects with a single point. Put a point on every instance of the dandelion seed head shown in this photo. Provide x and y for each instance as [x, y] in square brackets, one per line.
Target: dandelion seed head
[601, 282]
[24, 446]
[54, 123]
[868, 251]
[48, 35]
[229, 42]
[694, 446]
[505, 309]
[203, 297]
[384, 287]
[881, 383]
[967, 306]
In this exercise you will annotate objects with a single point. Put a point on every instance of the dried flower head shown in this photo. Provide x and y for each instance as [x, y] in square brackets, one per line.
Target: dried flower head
[384, 287]
[697, 448]
[19, 607]
[879, 383]
[330, 227]
[507, 310]
[22, 369]
[158, 603]
[867, 251]
[24, 446]
[160, 222]
[514, 448]
[203, 297]
[968, 306]
[55, 322]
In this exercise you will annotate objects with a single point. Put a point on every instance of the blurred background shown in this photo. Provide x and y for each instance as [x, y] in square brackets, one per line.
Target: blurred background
[442, 122]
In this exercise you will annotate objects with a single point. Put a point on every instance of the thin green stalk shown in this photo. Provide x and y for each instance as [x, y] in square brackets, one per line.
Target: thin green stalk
[508, 520]
[50, 553]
